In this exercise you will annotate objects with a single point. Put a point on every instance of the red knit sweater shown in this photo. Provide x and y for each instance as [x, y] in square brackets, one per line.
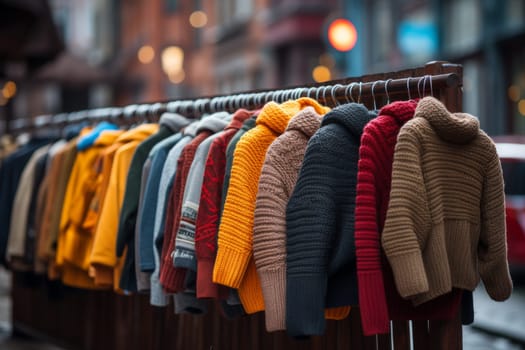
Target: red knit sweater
[207, 224]
[379, 300]
[171, 278]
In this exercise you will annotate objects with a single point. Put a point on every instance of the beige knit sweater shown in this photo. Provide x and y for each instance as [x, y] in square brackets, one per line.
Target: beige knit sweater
[278, 177]
[445, 225]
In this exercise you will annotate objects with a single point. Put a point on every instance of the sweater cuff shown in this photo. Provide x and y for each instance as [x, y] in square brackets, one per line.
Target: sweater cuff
[497, 281]
[409, 273]
[230, 266]
[173, 279]
[205, 286]
[305, 302]
[273, 284]
[372, 303]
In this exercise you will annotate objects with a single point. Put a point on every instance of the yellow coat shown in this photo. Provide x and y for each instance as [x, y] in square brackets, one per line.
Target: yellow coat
[106, 267]
[74, 243]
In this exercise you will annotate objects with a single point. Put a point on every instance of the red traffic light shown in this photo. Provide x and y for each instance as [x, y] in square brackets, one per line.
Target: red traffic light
[342, 34]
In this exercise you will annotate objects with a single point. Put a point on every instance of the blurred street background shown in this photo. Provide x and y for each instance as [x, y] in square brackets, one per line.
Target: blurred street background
[67, 55]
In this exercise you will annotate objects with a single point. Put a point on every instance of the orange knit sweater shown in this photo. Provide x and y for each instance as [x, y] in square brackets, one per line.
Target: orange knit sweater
[234, 265]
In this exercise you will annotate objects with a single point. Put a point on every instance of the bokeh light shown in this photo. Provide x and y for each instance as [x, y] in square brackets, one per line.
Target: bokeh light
[342, 35]
[146, 54]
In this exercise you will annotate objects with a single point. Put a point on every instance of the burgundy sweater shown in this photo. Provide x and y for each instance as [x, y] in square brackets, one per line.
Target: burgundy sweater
[208, 217]
[378, 298]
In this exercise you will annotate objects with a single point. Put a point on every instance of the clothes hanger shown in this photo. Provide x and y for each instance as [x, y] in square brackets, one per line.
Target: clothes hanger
[373, 93]
[386, 91]
[332, 94]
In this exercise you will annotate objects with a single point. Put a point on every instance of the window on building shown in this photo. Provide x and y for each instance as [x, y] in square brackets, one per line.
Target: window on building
[461, 25]
[515, 13]
[230, 11]
[417, 33]
[380, 29]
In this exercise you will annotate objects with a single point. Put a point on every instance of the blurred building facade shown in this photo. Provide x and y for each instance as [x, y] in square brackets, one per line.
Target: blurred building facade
[486, 36]
[133, 51]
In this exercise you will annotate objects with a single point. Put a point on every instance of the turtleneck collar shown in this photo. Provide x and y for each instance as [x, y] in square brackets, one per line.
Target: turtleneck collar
[306, 121]
[401, 111]
[276, 116]
[457, 128]
[352, 116]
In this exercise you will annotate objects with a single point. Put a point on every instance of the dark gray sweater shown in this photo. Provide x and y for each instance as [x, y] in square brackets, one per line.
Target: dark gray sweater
[321, 262]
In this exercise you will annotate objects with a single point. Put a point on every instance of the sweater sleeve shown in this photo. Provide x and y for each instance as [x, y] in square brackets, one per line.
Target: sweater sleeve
[408, 219]
[492, 249]
[310, 228]
[372, 298]
[208, 218]
[269, 240]
[234, 244]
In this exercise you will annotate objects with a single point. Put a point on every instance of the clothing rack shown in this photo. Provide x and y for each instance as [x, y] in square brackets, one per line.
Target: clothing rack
[330, 94]
[86, 319]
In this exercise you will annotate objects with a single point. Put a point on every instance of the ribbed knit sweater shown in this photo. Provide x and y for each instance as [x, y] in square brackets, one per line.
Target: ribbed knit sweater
[321, 266]
[207, 224]
[169, 124]
[157, 295]
[445, 224]
[230, 150]
[171, 278]
[234, 266]
[375, 281]
[278, 177]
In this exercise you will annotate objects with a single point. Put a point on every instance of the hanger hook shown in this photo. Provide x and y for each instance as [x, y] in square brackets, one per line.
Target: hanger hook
[430, 83]
[325, 89]
[408, 88]
[360, 91]
[333, 94]
[348, 91]
[386, 91]
[373, 93]
[421, 80]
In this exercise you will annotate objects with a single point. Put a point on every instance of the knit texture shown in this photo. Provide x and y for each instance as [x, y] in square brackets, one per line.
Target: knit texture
[234, 266]
[207, 224]
[321, 266]
[376, 284]
[445, 224]
[169, 124]
[184, 254]
[157, 295]
[230, 150]
[171, 278]
[278, 177]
